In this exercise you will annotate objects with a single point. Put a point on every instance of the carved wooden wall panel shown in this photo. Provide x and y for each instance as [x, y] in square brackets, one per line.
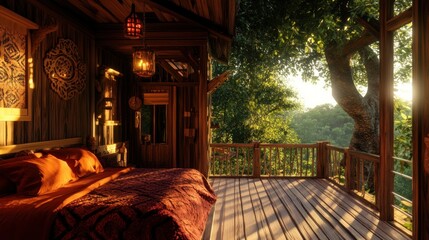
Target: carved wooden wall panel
[12, 68]
[15, 66]
[53, 117]
[63, 66]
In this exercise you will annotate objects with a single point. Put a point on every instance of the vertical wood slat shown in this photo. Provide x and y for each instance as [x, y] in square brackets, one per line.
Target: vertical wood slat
[348, 171]
[386, 110]
[256, 160]
[202, 162]
[420, 119]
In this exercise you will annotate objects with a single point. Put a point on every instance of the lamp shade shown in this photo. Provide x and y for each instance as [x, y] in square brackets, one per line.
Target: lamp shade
[133, 25]
[143, 61]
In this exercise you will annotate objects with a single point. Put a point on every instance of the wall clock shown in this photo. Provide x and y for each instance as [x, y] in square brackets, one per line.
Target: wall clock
[135, 103]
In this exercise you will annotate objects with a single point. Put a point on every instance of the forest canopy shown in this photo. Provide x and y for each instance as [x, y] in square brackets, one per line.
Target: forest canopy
[329, 40]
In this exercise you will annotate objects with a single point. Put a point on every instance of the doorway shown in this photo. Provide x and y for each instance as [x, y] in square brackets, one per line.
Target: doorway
[158, 127]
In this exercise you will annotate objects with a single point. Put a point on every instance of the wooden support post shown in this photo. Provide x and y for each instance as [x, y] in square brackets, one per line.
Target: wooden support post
[256, 160]
[322, 159]
[420, 119]
[348, 170]
[377, 184]
[386, 111]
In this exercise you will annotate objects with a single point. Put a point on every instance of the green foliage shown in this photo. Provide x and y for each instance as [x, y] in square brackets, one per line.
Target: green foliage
[324, 123]
[403, 152]
[252, 109]
[403, 129]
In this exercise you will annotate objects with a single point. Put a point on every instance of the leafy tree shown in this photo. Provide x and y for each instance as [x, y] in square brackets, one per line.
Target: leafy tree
[333, 40]
[323, 122]
[403, 151]
[252, 104]
[251, 107]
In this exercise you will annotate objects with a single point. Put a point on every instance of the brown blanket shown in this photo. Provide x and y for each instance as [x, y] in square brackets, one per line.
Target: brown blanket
[142, 204]
[23, 217]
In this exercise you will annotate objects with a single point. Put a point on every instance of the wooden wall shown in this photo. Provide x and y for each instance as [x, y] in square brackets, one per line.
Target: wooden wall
[53, 117]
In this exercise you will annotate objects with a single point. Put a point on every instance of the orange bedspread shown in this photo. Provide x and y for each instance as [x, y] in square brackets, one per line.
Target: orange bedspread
[23, 217]
[137, 204]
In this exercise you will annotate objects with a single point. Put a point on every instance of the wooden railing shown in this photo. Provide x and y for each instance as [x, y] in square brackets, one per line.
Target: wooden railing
[402, 191]
[356, 171]
[335, 164]
[362, 174]
[232, 160]
[255, 159]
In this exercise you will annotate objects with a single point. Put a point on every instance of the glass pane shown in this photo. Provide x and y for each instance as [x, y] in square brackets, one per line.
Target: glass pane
[401, 5]
[403, 126]
[146, 123]
[160, 123]
[154, 123]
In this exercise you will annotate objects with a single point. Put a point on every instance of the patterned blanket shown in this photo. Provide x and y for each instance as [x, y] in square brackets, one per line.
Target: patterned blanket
[141, 204]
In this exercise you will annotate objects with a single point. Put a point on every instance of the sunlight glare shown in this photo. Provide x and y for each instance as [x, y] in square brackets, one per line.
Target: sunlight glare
[309, 94]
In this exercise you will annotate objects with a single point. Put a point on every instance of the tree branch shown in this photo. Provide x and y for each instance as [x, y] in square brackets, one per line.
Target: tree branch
[372, 67]
[354, 45]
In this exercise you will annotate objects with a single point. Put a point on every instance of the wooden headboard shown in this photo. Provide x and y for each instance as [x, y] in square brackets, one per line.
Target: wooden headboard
[68, 142]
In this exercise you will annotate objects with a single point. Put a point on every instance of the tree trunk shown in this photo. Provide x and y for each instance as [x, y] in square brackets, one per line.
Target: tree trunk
[363, 109]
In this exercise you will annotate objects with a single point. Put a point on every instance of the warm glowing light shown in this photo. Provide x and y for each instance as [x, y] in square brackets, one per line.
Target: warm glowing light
[30, 73]
[133, 25]
[143, 62]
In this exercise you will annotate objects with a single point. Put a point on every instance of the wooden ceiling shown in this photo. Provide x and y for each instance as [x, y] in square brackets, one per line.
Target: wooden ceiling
[173, 27]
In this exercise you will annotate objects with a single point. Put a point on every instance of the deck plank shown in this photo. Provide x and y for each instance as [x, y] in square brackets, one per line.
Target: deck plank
[270, 215]
[289, 208]
[217, 226]
[261, 221]
[283, 215]
[238, 211]
[250, 225]
[300, 222]
[307, 211]
[326, 217]
[229, 213]
[363, 213]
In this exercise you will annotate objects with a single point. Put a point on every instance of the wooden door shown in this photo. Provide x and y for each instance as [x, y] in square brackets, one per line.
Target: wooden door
[158, 121]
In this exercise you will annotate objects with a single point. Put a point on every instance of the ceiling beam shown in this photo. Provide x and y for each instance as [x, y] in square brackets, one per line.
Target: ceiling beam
[167, 67]
[162, 36]
[188, 16]
[190, 59]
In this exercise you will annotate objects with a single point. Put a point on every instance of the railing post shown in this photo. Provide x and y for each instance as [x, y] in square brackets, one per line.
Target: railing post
[256, 160]
[322, 159]
[348, 170]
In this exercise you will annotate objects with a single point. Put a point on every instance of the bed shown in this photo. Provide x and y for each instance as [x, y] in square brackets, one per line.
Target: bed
[89, 201]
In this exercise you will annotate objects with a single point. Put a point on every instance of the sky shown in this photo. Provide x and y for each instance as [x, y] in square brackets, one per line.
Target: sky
[309, 94]
[312, 95]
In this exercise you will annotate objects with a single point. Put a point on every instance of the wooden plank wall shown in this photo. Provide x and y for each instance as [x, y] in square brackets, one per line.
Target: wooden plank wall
[186, 144]
[54, 118]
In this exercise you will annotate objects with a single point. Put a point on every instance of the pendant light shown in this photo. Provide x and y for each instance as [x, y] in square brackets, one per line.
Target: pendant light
[133, 25]
[143, 56]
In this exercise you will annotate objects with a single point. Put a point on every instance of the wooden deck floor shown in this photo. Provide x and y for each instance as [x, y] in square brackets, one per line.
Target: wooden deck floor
[291, 209]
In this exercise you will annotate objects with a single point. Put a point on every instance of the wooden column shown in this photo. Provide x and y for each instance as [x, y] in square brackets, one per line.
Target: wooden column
[420, 119]
[202, 111]
[256, 160]
[386, 112]
[322, 159]
[348, 170]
